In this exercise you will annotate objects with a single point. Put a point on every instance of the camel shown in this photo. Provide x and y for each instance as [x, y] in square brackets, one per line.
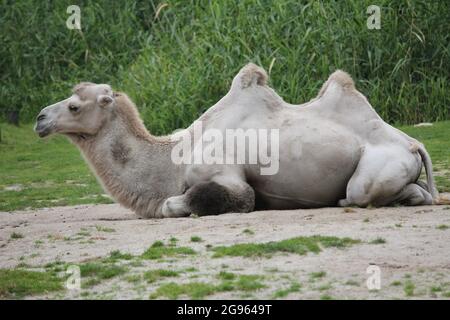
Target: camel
[334, 150]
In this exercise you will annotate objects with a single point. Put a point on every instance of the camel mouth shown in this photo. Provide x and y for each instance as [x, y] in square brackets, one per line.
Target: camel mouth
[42, 131]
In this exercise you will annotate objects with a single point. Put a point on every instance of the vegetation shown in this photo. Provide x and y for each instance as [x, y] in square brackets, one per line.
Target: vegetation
[408, 288]
[195, 290]
[299, 245]
[17, 283]
[249, 282]
[378, 241]
[282, 293]
[159, 250]
[199, 290]
[196, 239]
[47, 172]
[154, 275]
[116, 255]
[226, 275]
[157, 52]
[100, 270]
[16, 235]
[104, 229]
[317, 275]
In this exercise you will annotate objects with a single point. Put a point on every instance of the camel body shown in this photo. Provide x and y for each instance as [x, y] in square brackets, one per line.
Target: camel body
[333, 150]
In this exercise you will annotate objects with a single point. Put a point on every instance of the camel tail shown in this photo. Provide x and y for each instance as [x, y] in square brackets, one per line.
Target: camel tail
[429, 170]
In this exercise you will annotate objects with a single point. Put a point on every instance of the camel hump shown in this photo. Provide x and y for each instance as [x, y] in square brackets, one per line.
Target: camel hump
[341, 78]
[250, 75]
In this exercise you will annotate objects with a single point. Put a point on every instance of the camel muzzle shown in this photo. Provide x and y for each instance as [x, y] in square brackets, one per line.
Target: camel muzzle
[42, 128]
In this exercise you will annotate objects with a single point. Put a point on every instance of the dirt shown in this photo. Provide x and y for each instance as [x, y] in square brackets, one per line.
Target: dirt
[416, 250]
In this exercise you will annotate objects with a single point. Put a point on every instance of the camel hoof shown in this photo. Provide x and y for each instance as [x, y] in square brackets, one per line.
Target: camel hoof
[174, 207]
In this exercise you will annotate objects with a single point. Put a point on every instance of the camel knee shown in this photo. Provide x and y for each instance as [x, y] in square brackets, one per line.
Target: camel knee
[212, 198]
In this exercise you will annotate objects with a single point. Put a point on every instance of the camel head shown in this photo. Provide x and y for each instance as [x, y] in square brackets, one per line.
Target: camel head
[84, 112]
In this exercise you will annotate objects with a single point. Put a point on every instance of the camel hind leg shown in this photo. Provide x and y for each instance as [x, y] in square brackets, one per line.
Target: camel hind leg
[383, 176]
[414, 195]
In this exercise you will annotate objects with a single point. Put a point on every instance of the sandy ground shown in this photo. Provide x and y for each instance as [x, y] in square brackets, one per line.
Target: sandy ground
[416, 251]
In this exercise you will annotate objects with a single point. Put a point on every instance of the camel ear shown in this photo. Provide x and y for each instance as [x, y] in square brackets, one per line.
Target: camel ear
[104, 100]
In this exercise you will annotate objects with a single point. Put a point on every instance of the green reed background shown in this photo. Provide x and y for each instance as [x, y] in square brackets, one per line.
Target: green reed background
[177, 58]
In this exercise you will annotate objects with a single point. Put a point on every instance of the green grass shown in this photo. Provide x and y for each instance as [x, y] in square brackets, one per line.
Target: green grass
[378, 241]
[196, 239]
[352, 283]
[16, 283]
[317, 275]
[104, 229]
[324, 287]
[101, 271]
[199, 290]
[442, 227]
[159, 250]
[248, 231]
[299, 245]
[179, 63]
[16, 235]
[408, 288]
[282, 293]
[116, 255]
[249, 283]
[436, 289]
[51, 172]
[195, 290]
[226, 275]
[155, 275]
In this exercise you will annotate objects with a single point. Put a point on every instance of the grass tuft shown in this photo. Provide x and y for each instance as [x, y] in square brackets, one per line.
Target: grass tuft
[16, 235]
[282, 293]
[408, 288]
[196, 239]
[19, 283]
[195, 290]
[299, 245]
[378, 241]
[158, 250]
[155, 275]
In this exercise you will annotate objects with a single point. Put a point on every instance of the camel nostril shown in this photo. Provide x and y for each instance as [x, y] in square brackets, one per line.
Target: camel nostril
[41, 117]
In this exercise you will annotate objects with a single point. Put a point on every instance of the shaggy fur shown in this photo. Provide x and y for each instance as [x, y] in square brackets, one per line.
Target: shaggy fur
[211, 198]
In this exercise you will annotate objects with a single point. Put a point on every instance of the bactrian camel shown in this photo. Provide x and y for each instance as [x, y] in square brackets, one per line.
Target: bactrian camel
[334, 150]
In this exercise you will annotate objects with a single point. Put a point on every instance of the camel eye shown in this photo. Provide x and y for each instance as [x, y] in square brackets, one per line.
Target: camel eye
[73, 108]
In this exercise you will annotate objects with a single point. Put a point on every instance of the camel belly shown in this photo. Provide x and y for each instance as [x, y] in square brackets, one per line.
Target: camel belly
[313, 170]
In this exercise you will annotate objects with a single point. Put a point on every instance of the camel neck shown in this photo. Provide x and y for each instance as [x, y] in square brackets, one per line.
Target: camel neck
[135, 169]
